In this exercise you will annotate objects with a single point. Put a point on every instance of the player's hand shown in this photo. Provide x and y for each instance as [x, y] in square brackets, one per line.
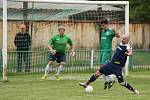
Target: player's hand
[128, 53]
[53, 52]
[72, 53]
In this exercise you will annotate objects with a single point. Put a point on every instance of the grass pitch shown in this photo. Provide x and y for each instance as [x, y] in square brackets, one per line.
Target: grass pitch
[31, 87]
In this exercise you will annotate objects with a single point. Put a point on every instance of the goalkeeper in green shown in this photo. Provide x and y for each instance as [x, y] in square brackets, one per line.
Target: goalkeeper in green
[57, 47]
[106, 36]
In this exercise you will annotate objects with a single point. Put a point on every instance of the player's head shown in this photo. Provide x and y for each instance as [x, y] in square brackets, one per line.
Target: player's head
[104, 23]
[22, 27]
[61, 31]
[125, 39]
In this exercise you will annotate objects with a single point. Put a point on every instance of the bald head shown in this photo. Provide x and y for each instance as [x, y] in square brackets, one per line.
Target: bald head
[22, 26]
[125, 39]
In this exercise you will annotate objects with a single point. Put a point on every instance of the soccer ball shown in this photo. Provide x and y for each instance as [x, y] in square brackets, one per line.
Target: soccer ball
[89, 89]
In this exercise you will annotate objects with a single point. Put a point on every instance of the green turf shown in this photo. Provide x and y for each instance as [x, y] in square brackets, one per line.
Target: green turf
[31, 87]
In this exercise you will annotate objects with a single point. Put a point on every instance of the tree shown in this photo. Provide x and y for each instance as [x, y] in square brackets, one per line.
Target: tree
[139, 11]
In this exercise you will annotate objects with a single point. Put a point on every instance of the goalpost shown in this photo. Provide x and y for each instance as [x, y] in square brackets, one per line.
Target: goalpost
[43, 17]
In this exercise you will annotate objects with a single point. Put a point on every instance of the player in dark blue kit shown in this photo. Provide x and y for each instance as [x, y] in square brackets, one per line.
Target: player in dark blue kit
[116, 65]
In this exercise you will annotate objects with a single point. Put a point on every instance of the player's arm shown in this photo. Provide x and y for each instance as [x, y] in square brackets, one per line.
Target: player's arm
[72, 50]
[50, 43]
[117, 33]
[71, 47]
[129, 51]
[50, 47]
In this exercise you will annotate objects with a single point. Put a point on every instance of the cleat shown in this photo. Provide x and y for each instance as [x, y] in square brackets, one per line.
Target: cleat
[44, 77]
[57, 77]
[136, 92]
[110, 84]
[106, 84]
[83, 85]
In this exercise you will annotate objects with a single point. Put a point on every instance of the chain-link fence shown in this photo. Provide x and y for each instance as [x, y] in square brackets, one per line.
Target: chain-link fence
[140, 60]
[37, 60]
[84, 60]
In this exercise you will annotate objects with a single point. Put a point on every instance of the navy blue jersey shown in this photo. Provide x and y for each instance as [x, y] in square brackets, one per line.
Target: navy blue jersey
[119, 56]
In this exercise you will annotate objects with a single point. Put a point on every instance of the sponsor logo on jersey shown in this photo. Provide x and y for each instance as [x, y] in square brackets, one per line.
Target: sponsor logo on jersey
[107, 33]
[103, 37]
[57, 39]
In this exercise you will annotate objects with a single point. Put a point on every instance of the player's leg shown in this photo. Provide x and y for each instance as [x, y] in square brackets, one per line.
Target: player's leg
[103, 70]
[60, 68]
[47, 69]
[50, 64]
[61, 58]
[121, 81]
[111, 81]
[104, 58]
[91, 79]
[106, 79]
[127, 85]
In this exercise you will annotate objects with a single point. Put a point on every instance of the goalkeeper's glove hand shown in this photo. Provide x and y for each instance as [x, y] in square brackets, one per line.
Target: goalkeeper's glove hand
[53, 52]
[72, 53]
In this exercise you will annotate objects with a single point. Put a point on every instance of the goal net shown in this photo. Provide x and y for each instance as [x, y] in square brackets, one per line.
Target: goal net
[42, 18]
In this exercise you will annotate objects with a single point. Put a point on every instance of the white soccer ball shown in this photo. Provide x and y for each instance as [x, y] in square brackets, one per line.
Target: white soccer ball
[89, 89]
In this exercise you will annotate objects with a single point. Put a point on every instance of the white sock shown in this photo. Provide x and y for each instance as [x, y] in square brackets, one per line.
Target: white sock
[110, 78]
[106, 79]
[47, 69]
[60, 69]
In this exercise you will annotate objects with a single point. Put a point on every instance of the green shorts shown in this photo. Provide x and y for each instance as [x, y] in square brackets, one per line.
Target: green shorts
[104, 56]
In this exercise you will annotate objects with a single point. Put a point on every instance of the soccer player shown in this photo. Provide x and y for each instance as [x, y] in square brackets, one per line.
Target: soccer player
[106, 36]
[116, 65]
[57, 46]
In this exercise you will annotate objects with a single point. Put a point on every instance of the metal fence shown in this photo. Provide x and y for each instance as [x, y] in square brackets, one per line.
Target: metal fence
[1, 61]
[84, 60]
[140, 60]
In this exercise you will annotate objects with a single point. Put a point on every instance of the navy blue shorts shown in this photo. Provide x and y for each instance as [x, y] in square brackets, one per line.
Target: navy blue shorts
[110, 68]
[58, 57]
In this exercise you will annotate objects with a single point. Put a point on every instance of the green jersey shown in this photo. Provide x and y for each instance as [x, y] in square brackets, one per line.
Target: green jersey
[59, 43]
[106, 39]
[106, 45]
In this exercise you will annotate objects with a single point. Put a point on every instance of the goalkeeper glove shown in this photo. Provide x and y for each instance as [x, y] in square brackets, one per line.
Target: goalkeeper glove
[72, 53]
[53, 52]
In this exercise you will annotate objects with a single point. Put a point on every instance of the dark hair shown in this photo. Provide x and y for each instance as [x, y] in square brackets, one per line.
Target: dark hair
[104, 21]
[61, 28]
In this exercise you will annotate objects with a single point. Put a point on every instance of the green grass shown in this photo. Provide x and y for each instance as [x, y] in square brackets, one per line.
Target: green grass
[31, 87]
